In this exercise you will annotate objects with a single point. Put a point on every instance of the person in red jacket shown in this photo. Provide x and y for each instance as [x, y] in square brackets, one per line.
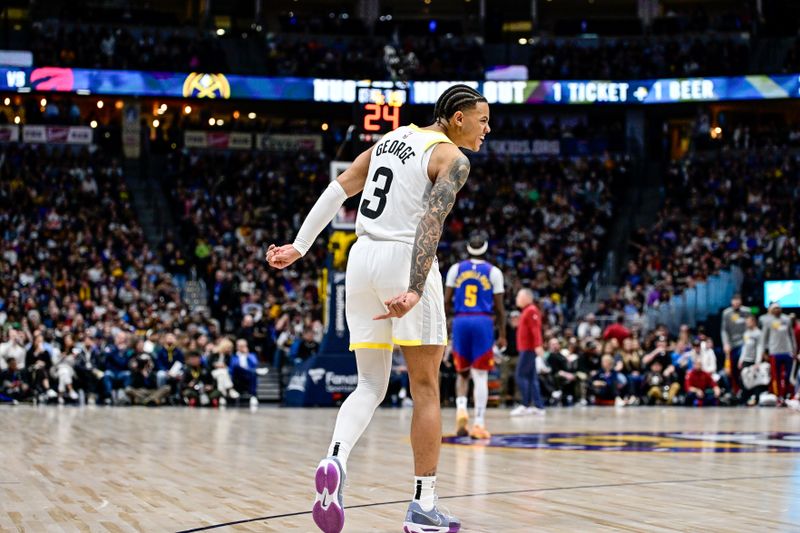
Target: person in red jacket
[700, 386]
[530, 347]
[617, 330]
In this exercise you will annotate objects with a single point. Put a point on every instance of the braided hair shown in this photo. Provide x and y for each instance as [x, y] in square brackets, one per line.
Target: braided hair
[456, 98]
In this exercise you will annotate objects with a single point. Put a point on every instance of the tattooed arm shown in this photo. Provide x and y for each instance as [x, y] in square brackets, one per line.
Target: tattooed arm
[429, 231]
[450, 168]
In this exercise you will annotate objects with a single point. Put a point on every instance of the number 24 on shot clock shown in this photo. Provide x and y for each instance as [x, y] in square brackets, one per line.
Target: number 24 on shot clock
[382, 115]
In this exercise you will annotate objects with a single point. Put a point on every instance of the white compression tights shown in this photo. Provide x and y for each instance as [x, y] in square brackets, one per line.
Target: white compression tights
[374, 367]
[480, 383]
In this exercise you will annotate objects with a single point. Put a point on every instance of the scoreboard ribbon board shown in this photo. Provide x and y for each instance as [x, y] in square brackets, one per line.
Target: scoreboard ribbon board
[385, 99]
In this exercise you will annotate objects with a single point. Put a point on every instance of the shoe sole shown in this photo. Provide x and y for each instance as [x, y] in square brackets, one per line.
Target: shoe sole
[409, 527]
[329, 519]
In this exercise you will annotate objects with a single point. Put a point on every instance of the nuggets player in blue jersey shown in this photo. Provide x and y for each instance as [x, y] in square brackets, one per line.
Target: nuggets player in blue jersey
[474, 293]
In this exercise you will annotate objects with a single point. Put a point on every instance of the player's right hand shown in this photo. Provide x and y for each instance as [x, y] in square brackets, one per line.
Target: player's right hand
[283, 256]
[399, 305]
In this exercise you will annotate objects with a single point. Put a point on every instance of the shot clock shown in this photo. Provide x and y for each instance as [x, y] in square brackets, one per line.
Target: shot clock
[379, 109]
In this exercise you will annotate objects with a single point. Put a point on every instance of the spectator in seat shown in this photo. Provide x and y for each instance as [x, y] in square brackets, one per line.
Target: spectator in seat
[701, 389]
[588, 329]
[37, 364]
[588, 365]
[630, 365]
[605, 385]
[169, 362]
[13, 387]
[222, 297]
[198, 385]
[64, 370]
[247, 330]
[13, 348]
[617, 330]
[244, 371]
[661, 388]
[663, 355]
[88, 370]
[304, 347]
[218, 361]
[117, 376]
[562, 369]
[682, 363]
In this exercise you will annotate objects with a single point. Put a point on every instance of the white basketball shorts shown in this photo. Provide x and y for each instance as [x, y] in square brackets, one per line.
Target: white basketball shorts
[378, 271]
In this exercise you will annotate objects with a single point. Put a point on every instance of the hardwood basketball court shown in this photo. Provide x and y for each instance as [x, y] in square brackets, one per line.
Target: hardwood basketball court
[137, 469]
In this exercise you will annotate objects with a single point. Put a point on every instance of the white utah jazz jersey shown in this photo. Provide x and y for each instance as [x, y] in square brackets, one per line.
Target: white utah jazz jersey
[397, 189]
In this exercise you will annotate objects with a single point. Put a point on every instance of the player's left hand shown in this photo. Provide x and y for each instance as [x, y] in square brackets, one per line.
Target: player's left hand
[399, 305]
[502, 343]
[282, 256]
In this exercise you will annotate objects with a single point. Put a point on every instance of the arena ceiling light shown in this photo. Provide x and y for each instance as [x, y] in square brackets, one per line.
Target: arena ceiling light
[220, 32]
[187, 109]
[93, 124]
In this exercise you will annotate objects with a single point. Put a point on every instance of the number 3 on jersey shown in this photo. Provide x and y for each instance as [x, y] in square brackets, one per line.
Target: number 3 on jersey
[368, 205]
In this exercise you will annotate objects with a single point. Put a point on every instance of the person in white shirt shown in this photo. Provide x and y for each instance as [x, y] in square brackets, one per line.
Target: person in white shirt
[13, 349]
[588, 328]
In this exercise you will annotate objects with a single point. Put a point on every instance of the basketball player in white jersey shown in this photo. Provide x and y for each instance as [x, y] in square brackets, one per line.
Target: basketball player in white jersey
[394, 288]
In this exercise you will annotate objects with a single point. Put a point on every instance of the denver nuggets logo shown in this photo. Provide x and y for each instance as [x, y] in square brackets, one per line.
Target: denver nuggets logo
[202, 85]
[680, 441]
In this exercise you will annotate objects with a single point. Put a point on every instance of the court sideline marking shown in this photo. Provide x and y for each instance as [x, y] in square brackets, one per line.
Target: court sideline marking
[500, 492]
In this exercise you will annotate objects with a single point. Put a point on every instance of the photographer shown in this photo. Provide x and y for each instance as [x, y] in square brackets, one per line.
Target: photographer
[144, 389]
[660, 389]
[197, 386]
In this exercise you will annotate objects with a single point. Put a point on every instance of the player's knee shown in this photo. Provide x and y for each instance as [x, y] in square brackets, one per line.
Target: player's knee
[424, 385]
